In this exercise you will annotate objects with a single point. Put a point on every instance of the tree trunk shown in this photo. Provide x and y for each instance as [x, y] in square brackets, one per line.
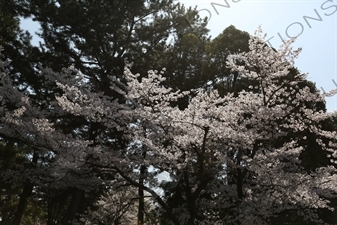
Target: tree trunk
[26, 193]
[141, 204]
[75, 206]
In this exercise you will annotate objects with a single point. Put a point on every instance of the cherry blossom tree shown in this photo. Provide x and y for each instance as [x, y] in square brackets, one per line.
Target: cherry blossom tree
[233, 155]
[54, 158]
[232, 159]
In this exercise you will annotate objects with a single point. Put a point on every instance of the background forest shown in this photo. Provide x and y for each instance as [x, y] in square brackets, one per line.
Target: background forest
[130, 113]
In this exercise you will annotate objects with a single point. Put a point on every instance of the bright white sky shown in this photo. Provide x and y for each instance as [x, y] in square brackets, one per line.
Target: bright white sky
[319, 42]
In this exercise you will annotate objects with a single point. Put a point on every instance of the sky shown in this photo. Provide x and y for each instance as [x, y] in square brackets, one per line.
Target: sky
[314, 23]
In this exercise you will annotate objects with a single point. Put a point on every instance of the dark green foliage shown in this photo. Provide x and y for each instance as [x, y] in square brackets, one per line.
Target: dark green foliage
[230, 41]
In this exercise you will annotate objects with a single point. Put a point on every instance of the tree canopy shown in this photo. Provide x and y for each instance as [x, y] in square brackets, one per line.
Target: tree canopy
[120, 93]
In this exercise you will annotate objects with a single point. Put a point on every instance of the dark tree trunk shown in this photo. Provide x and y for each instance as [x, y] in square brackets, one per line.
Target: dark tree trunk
[26, 193]
[75, 206]
[141, 204]
[239, 184]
